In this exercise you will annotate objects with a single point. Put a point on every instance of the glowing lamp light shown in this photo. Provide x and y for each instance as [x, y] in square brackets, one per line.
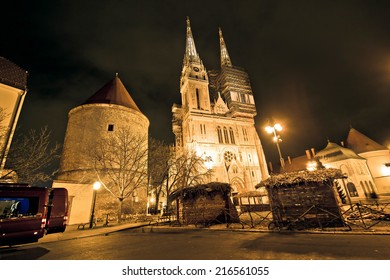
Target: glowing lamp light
[269, 129]
[276, 139]
[97, 185]
[385, 169]
[311, 166]
[278, 127]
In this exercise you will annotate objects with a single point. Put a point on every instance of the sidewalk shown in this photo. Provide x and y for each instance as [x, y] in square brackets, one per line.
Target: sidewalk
[72, 231]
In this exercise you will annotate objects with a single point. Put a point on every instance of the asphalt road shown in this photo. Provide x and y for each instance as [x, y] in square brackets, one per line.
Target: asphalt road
[195, 244]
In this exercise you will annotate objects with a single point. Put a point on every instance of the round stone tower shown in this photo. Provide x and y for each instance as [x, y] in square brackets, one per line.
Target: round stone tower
[109, 110]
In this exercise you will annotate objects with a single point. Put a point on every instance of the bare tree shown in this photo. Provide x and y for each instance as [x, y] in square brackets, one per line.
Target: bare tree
[158, 167]
[185, 170]
[169, 172]
[31, 157]
[121, 164]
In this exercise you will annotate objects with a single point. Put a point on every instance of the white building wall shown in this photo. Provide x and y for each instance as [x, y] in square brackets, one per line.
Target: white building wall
[357, 173]
[379, 165]
[80, 201]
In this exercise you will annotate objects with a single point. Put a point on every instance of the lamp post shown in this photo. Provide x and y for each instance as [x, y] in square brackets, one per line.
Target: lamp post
[96, 186]
[273, 129]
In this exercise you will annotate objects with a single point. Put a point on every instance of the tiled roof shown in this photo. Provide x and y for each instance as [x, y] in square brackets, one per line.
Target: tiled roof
[114, 92]
[12, 75]
[360, 143]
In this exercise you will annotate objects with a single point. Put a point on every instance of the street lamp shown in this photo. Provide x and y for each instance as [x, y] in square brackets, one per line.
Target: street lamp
[273, 129]
[96, 186]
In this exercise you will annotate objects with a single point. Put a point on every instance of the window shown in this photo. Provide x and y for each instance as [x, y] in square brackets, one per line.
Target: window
[219, 131]
[110, 127]
[18, 206]
[352, 189]
[243, 99]
[225, 134]
[202, 129]
[228, 156]
[197, 99]
[372, 191]
[245, 134]
[364, 189]
[231, 132]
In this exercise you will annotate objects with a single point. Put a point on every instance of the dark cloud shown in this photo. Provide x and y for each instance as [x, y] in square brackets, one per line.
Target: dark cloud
[316, 66]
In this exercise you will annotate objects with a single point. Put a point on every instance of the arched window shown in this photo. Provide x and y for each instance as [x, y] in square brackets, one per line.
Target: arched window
[225, 134]
[364, 189]
[352, 189]
[219, 131]
[372, 191]
[231, 132]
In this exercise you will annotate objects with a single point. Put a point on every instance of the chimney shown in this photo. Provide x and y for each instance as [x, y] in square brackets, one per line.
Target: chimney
[308, 154]
[289, 159]
[313, 152]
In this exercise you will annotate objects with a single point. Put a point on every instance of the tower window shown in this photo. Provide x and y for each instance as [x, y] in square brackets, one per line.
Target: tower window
[244, 132]
[110, 127]
[243, 98]
[225, 134]
[203, 129]
[219, 131]
[231, 132]
[197, 99]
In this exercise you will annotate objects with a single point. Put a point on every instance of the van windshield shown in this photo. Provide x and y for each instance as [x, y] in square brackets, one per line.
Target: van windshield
[18, 206]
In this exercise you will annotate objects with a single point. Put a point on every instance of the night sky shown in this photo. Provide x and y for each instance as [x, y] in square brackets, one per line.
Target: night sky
[317, 67]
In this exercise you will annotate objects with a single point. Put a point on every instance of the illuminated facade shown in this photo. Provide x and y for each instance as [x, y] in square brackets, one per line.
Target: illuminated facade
[359, 182]
[377, 156]
[102, 116]
[216, 119]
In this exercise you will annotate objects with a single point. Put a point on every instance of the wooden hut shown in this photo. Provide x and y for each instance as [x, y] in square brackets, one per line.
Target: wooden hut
[307, 199]
[205, 204]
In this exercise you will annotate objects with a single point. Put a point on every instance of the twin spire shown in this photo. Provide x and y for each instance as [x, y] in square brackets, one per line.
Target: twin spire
[191, 54]
[225, 59]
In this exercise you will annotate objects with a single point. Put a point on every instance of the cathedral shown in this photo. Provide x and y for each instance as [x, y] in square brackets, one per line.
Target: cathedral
[216, 119]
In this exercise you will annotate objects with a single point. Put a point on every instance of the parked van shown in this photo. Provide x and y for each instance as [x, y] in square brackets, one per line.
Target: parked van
[27, 213]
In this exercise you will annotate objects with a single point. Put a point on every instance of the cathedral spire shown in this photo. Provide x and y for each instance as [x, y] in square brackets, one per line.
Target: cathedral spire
[225, 59]
[190, 55]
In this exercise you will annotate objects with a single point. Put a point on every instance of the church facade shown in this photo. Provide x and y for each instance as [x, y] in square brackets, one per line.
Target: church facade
[216, 119]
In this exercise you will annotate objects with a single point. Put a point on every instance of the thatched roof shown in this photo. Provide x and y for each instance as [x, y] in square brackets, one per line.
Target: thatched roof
[251, 194]
[293, 178]
[202, 189]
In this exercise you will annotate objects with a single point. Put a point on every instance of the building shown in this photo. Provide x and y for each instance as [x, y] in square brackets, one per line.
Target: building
[358, 184]
[103, 116]
[13, 90]
[216, 119]
[364, 162]
[377, 156]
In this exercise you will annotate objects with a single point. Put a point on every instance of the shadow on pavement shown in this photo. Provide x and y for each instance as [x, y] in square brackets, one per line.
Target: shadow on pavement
[20, 253]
